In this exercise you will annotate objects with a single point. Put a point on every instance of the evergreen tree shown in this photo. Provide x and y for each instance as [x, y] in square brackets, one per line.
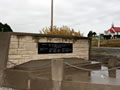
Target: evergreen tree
[1, 27]
[5, 28]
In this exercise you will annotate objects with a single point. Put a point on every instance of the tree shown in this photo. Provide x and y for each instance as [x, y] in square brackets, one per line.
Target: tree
[5, 28]
[90, 34]
[94, 33]
[64, 30]
[1, 27]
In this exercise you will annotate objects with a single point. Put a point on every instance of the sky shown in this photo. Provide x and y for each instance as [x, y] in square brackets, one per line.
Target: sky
[82, 15]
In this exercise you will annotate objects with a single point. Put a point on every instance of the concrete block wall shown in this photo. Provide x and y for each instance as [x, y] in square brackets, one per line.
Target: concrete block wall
[24, 48]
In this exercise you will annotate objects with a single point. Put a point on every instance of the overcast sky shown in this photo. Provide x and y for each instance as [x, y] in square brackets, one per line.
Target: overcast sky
[83, 15]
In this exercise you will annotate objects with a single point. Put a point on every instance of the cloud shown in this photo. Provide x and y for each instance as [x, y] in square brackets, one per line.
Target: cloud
[83, 15]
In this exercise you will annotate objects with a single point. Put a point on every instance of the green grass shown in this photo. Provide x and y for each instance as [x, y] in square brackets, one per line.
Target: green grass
[107, 43]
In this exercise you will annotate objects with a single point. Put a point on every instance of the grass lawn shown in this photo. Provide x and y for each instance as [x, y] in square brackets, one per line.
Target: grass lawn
[107, 43]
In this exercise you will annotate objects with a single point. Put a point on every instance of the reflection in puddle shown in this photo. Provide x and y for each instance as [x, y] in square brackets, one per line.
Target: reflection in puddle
[2, 88]
[102, 74]
[105, 74]
[105, 77]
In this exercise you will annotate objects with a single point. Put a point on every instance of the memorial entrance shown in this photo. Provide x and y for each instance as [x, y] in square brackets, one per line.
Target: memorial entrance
[45, 62]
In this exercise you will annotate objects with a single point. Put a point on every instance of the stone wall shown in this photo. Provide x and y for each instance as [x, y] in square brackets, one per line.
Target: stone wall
[24, 48]
[4, 46]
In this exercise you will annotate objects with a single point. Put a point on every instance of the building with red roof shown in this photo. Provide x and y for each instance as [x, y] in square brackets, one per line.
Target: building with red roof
[113, 30]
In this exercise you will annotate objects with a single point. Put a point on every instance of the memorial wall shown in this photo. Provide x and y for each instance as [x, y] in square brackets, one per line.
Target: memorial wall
[25, 47]
[18, 48]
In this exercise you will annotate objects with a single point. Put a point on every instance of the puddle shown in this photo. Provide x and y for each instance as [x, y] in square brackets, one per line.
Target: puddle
[2, 88]
[101, 74]
[103, 77]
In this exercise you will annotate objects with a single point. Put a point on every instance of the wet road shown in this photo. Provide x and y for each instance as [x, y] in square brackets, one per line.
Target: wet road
[103, 54]
[106, 50]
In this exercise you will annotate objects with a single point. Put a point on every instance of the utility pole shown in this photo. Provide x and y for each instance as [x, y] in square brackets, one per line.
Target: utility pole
[51, 15]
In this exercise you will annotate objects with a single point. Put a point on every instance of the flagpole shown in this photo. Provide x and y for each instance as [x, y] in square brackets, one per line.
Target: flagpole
[51, 16]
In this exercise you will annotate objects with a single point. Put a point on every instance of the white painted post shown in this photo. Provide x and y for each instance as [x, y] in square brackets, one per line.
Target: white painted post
[98, 41]
[57, 73]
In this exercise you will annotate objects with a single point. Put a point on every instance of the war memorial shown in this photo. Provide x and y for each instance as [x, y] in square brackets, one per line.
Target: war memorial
[49, 62]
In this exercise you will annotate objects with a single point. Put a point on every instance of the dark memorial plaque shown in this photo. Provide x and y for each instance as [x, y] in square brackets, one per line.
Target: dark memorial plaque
[52, 48]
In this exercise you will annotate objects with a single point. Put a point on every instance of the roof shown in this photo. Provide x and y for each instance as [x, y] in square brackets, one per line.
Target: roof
[114, 29]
